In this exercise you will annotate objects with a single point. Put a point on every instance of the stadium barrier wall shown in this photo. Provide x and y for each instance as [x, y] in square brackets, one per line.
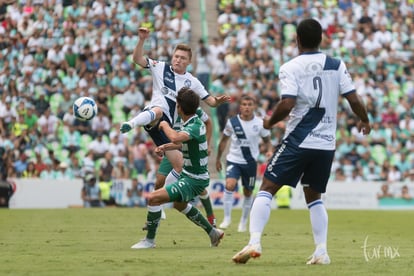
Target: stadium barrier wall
[39, 193]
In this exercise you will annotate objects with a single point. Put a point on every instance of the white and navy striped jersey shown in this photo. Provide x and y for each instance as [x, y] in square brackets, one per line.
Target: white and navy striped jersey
[245, 139]
[166, 85]
[316, 81]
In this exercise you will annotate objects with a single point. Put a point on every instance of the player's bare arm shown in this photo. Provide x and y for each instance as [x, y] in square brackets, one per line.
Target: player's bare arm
[174, 136]
[166, 147]
[280, 112]
[209, 131]
[215, 101]
[221, 148]
[359, 109]
[138, 54]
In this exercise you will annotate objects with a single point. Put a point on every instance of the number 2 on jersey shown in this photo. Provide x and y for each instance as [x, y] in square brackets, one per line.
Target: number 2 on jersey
[317, 85]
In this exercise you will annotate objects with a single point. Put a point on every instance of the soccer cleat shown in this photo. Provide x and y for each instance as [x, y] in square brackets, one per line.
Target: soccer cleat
[242, 227]
[215, 236]
[212, 220]
[125, 127]
[321, 259]
[225, 224]
[249, 251]
[143, 244]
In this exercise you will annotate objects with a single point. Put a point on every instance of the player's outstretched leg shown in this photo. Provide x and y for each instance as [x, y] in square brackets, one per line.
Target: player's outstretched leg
[196, 217]
[259, 216]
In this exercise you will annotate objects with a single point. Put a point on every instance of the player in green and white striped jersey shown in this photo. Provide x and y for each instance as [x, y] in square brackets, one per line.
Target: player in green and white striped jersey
[194, 177]
[166, 175]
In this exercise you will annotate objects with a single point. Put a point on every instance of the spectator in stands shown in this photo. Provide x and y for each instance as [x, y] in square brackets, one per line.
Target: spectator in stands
[63, 171]
[136, 194]
[48, 124]
[71, 139]
[100, 125]
[20, 165]
[48, 172]
[116, 148]
[181, 26]
[120, 170]
[203, 68]
[106, 167]
[30, 171]
[132, 97]
[91, 193]
[75, 166]
[405, 193]
[99, 146]
[385, 193]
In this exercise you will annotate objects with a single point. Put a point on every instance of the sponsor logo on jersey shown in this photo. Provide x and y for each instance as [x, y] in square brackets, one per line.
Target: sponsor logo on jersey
[164, 90]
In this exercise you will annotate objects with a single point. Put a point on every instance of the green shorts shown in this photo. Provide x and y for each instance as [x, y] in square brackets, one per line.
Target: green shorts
[165, 167]
[186, 188]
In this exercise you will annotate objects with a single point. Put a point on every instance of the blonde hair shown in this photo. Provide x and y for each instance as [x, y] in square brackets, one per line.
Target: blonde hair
[184, 47]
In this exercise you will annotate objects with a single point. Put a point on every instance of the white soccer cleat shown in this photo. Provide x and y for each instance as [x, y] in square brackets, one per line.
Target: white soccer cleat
[249, 251]
[143, 244]
[321, 259]
[225, 224]
[215, 236]
[242, 227]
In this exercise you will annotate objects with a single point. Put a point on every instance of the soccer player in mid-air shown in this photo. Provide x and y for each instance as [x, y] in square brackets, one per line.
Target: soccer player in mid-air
[167, 80]
[194, 177]
[310, 87]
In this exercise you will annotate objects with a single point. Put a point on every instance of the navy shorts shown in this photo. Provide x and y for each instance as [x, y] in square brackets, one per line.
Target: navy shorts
[158, 136]
[289, 164]
[247, 173]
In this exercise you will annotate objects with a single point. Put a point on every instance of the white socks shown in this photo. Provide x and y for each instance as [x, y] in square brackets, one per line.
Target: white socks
[247, 204]
[319, 221]
[259, 215]
[172, 177]
[227, 204]
[144, 118]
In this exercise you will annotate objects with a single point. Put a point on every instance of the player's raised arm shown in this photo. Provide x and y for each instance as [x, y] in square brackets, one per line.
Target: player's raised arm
[138, 54]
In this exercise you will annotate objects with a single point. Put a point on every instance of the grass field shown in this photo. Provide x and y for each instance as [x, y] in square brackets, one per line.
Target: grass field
[97, 242]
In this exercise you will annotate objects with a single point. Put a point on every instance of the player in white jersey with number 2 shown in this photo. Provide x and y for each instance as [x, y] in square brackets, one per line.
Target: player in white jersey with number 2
[310, 86]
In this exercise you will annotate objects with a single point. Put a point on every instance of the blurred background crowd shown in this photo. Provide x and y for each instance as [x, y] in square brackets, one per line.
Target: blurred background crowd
[53, 51]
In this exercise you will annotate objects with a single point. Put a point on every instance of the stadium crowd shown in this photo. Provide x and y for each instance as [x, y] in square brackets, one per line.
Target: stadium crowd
[53, 51]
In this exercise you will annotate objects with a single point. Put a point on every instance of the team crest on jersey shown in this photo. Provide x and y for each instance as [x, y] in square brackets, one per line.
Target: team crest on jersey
[255, 128]
[313, 67]
[164, 90]
[187, 83]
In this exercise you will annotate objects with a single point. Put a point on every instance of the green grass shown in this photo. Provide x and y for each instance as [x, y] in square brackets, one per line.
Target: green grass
[97, 242]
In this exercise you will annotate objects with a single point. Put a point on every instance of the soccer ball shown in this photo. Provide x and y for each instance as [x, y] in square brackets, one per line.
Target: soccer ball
[85, 108]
